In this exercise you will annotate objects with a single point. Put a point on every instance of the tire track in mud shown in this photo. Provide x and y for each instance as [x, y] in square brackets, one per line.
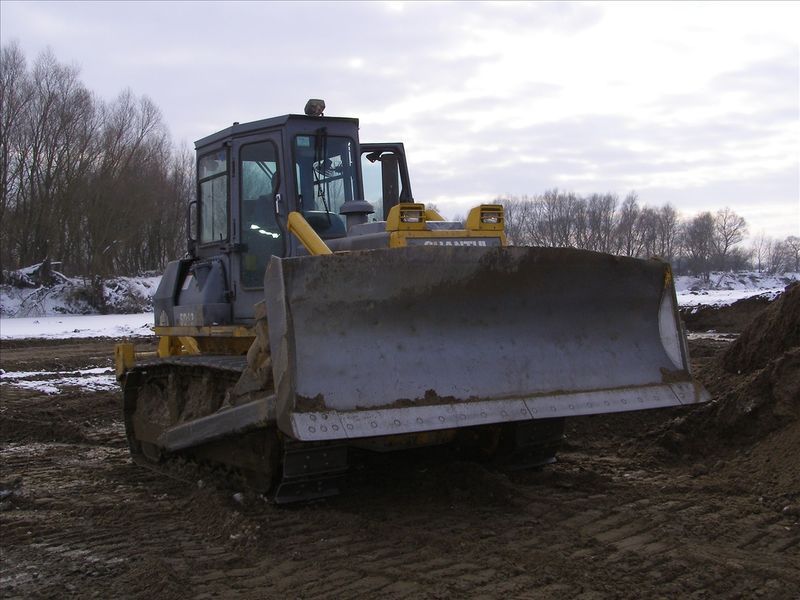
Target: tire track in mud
[108, 520]
[84, 521]
[68, 536]
[633, 547]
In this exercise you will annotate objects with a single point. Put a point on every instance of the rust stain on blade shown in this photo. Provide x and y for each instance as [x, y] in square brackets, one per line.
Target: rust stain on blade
[678, 376]
[306, 404]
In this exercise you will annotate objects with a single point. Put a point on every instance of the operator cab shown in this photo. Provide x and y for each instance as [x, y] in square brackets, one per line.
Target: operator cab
[250, 176]
[308, 163]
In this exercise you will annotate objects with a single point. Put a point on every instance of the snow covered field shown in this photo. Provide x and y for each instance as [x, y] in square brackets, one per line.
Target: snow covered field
[71, 326]
[726, 288]
[77, 326]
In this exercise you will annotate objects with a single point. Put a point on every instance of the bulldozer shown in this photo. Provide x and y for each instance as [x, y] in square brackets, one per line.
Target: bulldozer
[321, 310]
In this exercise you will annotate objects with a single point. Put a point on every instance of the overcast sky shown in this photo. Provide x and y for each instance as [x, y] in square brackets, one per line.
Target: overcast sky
[693, 104]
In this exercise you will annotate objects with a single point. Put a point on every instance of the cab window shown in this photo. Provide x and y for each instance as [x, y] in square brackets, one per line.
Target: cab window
[212, 170]
[381, 175]
[326, 179]
[260, 232]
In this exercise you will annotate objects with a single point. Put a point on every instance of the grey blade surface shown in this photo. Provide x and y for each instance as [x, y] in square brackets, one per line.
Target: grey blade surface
[417, 326]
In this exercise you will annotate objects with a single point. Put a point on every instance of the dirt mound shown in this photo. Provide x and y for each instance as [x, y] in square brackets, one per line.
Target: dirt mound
[755, 384]
[756, 402]
[770, 334]
[728, 319]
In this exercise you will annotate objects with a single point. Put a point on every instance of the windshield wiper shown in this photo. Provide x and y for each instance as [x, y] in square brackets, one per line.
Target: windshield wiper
[320, 156]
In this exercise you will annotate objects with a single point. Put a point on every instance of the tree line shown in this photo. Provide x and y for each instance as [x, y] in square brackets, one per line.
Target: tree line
[700, 244]
[95, 185]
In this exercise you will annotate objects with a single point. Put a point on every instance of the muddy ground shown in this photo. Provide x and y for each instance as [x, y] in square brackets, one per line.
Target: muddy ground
[631, 510]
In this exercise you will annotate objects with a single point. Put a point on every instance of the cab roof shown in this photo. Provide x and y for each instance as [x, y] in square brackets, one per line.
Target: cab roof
[241, 129]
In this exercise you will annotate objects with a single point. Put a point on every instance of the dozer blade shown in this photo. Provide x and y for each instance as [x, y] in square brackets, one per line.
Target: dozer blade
[423, 338]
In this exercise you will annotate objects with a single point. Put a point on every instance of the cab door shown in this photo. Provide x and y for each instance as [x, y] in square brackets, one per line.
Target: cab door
[259, 226]
[385, 176]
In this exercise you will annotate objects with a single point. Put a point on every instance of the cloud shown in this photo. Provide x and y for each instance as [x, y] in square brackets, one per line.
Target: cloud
[697, 103]
[764, 78]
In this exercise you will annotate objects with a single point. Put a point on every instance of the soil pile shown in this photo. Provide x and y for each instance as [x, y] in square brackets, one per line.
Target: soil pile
[727, 319]
[771, 333]
[755, 383]
[757, 380]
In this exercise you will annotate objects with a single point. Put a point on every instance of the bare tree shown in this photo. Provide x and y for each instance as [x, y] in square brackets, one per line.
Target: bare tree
[647, 231]
[55, 118]
[729, 230]
[597, 222]
[776, 256]
[601, 221]
[15, 94]
[581, 233]
[97, 186]
[668, 231]
[760, 250]
[556, 221]
[698, 241]
[628, 240]
[517, 214]
[793, 252]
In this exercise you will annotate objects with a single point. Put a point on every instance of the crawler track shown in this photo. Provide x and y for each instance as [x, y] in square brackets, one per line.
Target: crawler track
[177, 392]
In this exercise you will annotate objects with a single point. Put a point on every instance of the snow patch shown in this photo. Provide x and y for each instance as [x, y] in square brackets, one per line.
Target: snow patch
[53, 382]
[726, 288]
[111, 326]
[24, 296]
[711, 335]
